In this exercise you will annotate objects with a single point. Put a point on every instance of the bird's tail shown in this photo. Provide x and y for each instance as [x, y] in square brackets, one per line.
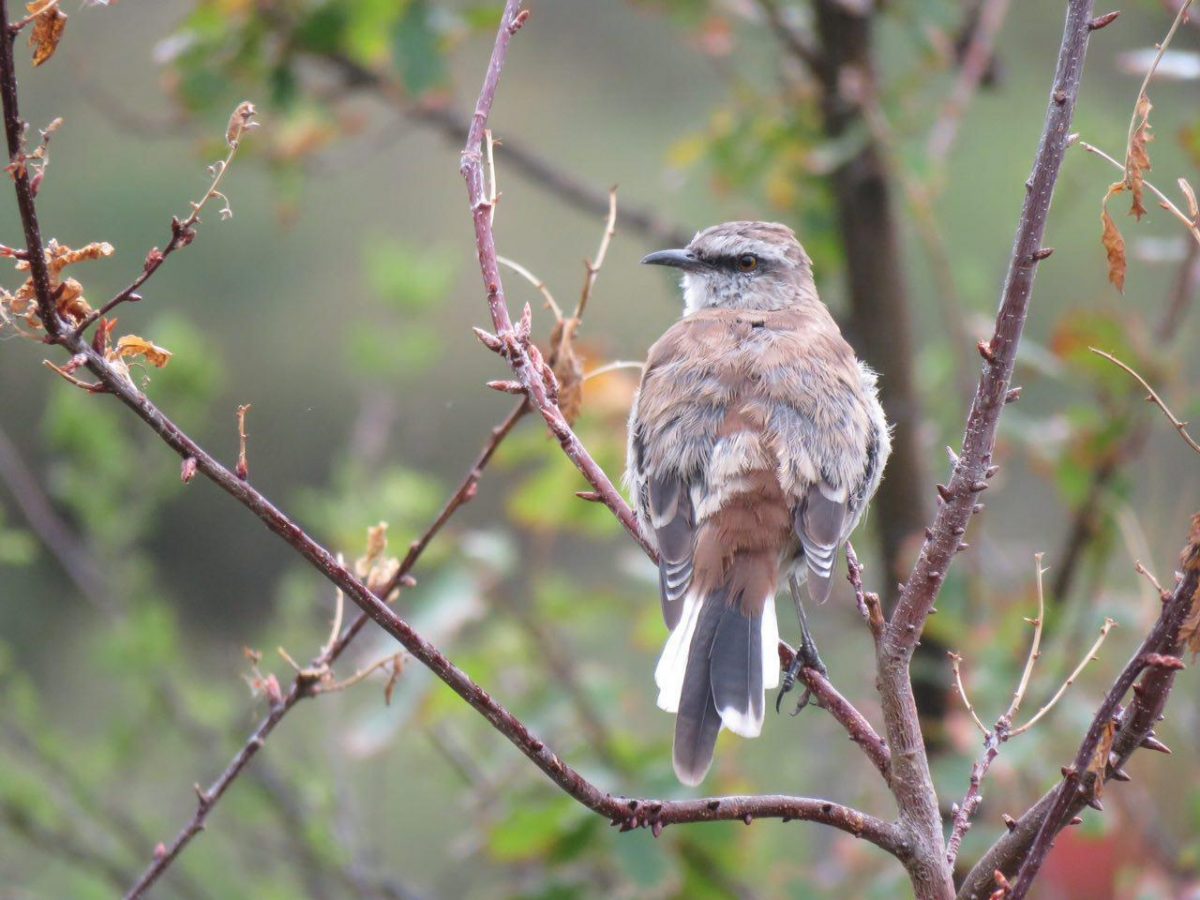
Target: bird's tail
[714, 671]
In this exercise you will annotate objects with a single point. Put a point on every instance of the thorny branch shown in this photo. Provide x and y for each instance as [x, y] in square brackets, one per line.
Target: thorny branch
[534, 375]
[304, 685]
[184, 232]
[1116, 729]
[1004, 730]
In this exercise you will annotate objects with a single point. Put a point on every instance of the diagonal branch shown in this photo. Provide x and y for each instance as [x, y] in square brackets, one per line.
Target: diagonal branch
[829, 699]
[303, 685]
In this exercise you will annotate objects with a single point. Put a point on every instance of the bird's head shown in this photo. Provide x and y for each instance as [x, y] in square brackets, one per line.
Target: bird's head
[742, 265]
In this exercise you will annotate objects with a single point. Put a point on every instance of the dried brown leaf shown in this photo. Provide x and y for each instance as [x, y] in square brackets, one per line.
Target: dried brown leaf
[243, 463]
[47, 31]
[241, 121]
[132, 345]
[1137, 163]
[1189, 632]
[1114, 247]
[1099, 760]
[567, 367]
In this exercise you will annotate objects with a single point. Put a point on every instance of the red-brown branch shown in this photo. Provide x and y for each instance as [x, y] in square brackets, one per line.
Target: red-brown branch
[513, 344]
[1029, 838]
[302, 685]
[847, 715]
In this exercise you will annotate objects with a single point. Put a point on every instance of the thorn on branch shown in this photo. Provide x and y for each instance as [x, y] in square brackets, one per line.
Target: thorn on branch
[243, 465]
[519, 21]
[1150, 742]
[590, 496]
[1103, 21]
[489, 340]
[1163, 661]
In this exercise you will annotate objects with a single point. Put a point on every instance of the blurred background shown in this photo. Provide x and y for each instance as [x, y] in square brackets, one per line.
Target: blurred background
[338, 302]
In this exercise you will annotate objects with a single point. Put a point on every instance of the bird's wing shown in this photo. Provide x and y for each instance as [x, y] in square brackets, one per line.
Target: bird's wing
[821, 426]
[661, 474]
[820, 523]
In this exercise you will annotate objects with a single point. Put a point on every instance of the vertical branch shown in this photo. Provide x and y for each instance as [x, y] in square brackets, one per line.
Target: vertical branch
[14, 132]
[536, 379]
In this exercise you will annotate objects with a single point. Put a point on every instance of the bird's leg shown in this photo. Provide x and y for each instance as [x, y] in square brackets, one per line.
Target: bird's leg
[806, 656]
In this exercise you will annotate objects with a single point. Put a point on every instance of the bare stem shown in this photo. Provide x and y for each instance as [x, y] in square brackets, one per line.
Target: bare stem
[1087, 658]
[1035, 646]
[1153, 397]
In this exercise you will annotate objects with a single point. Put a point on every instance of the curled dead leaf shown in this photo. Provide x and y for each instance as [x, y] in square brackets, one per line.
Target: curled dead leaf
[1099, 762]
[567, 367]
[241, 121]
[1137, 163]
[1114, 247]
[47, 31]
[130, 345]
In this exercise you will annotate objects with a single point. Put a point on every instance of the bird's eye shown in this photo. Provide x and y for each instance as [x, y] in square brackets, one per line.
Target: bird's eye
[748, 262]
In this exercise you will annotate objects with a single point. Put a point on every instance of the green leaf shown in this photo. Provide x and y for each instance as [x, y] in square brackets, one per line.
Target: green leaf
[416, 46]
[410, 278]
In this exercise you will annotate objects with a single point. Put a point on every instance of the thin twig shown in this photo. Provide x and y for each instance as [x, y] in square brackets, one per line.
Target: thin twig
[536, 379]
[1087, 658]
[1152, 397]
[975, 62]
[1035, 646]
[1162, 48]
[829, 699]
[20, 24]
[56, 535]
[1149, 576]
[538, 284]
[303, 684]
[594, 265]
[797, 44]
[614, 366]
[182, 233]
[956, 667]
[1024, 848]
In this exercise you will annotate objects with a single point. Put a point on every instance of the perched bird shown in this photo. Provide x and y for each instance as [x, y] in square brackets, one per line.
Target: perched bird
[755, 442]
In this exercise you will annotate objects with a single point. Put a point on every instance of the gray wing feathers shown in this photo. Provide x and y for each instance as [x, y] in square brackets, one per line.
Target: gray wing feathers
[820, 523]
[671, 517]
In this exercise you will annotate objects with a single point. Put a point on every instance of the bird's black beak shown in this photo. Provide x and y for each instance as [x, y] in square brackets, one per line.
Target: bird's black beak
[679, 259]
